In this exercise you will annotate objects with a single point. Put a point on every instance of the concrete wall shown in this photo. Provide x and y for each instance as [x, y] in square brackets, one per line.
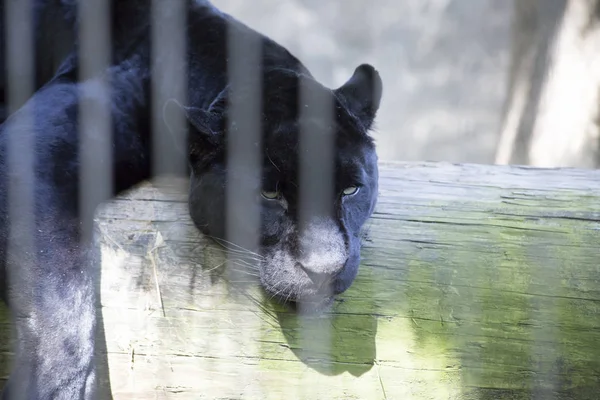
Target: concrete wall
[444, 64]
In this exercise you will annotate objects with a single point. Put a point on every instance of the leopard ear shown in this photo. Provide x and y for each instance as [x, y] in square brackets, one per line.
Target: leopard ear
[362, 93]
[201, 128]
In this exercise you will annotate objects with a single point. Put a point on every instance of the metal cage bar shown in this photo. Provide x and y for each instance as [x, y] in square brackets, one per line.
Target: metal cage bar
[20, 75]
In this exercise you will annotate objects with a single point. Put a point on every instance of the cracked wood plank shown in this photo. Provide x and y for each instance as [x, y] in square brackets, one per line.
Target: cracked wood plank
[476, 282]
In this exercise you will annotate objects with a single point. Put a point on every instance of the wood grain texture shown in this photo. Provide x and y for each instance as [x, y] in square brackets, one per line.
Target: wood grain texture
[477, 282]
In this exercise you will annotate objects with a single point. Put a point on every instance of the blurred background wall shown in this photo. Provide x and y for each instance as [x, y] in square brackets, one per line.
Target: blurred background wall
[443, 62]
[451, 69]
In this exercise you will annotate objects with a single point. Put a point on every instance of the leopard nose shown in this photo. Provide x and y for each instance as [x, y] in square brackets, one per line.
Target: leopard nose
[321, 249]
[317, 276]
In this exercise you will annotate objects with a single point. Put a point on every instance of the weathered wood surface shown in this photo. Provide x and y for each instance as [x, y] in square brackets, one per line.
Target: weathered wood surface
[477, 282]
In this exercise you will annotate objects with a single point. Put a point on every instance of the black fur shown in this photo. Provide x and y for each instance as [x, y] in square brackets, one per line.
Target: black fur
[54, 306]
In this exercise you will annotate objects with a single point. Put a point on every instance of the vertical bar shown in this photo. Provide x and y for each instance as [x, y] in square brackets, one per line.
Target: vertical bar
[94, 117]
[20, 66]
[244, 155]
[18, 22]
[317, 168]
[169, 82]
[317, 140]
[471, 333]
[169, 78]
[546, 361]
[244, 158]
[95, 136]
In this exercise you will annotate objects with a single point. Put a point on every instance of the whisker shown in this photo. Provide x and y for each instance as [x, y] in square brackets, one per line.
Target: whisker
[241, 254]
[287, 298]
[247, 264]
[241, 271]
[276, 167]
[244, 263]
[277, 293]
[237, 251]
[245, 272]
[217, 267]
[273, 295]
[244, 256]
[220, 241]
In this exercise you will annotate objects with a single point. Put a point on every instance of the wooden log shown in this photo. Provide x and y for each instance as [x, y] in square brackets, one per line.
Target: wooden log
[477, 282]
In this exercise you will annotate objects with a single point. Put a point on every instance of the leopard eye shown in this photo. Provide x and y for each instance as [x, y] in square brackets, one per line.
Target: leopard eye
[269, 195]
[350, 190]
